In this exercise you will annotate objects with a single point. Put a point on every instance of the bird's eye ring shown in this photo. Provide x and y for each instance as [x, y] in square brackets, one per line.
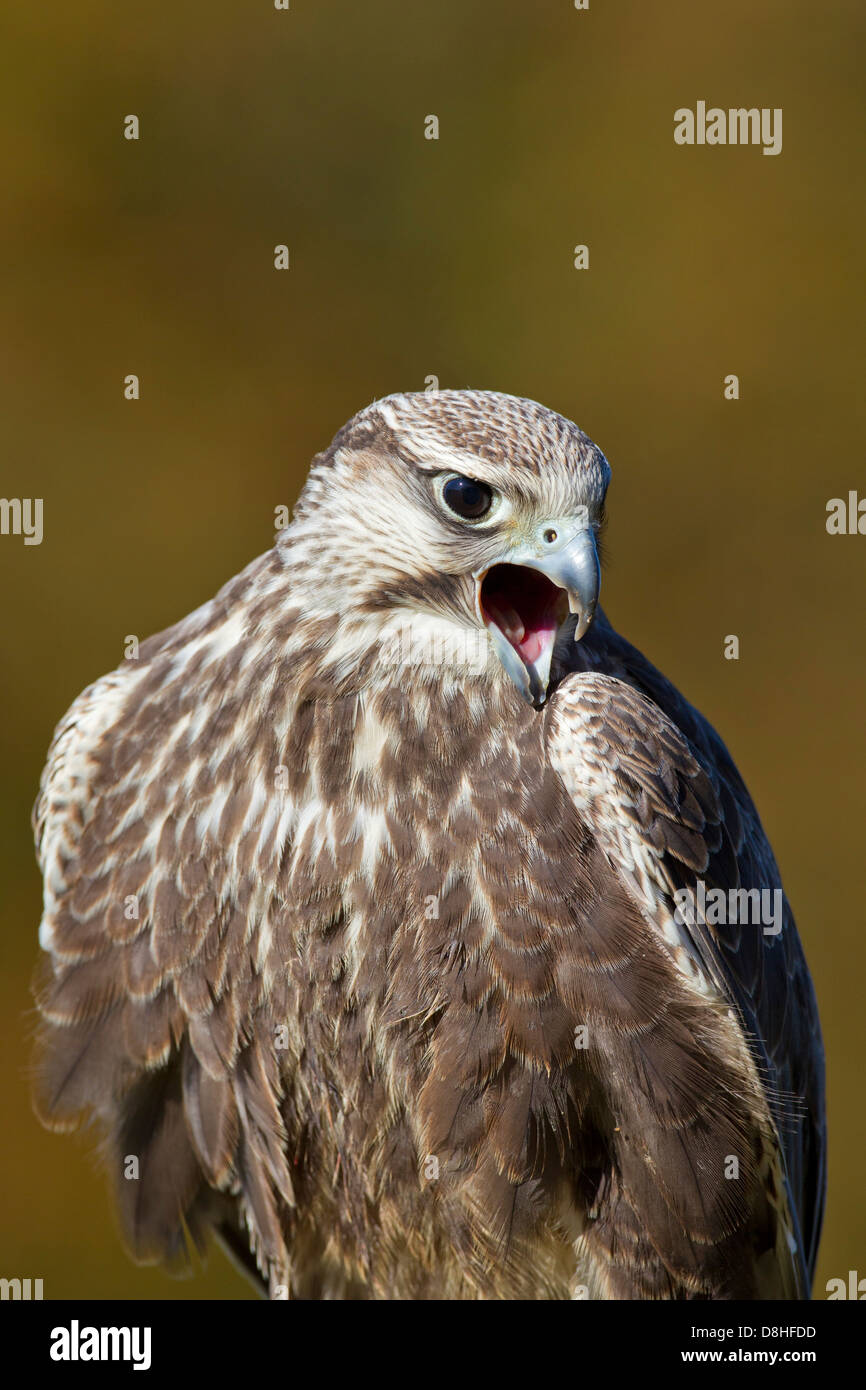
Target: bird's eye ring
[466, 497]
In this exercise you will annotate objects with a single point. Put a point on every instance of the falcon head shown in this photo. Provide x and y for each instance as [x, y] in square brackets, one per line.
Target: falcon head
[456, 510]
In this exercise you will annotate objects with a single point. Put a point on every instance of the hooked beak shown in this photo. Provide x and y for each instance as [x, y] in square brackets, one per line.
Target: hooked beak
[525, 599]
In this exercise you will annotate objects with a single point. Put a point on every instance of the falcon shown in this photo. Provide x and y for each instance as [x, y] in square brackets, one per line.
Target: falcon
[364, 938]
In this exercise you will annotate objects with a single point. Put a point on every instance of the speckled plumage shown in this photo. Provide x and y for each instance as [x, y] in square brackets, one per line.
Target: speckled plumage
[322, 926]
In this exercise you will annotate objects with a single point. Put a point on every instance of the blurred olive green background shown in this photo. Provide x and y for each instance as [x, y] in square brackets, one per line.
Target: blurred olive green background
[412, 258]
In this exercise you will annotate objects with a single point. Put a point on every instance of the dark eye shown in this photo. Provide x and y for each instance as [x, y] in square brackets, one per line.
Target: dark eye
[467, 498]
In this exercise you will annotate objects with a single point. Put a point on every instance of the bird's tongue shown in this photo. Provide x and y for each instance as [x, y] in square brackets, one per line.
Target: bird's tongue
[529, 642]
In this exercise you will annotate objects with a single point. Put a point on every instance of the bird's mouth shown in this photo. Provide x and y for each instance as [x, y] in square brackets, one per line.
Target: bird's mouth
[523, 611]
[525, 606]
[524, 599]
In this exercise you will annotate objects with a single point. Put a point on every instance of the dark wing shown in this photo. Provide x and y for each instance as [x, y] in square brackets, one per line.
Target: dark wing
[770, 972]
[161, 990]
[670, 809]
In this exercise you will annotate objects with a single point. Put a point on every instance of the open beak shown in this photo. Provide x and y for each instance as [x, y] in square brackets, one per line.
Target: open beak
[525, 598]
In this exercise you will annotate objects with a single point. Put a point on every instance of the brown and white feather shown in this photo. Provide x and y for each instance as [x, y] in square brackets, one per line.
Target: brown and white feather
[318, 934]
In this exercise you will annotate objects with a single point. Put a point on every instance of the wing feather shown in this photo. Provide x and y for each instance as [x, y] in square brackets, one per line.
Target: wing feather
[668, 808]
[161, 989]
